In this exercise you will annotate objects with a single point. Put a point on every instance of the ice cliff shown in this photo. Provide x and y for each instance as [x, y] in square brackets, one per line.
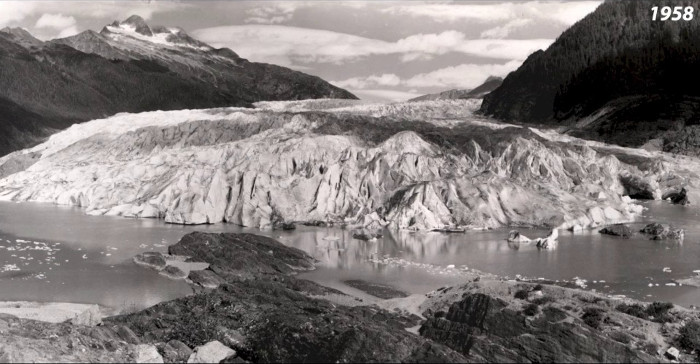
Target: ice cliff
[421, 165]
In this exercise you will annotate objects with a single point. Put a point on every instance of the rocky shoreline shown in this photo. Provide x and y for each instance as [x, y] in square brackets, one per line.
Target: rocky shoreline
[259, 311]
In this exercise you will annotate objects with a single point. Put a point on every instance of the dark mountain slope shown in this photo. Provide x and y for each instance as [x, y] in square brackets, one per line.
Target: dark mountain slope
[489, 85]
[133, 39]
[21, 37]
[47, 86]
[615, 76]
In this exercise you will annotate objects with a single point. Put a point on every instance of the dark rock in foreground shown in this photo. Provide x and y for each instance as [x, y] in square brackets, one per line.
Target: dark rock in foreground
[488, 329]
[620, 230]
[267, 316]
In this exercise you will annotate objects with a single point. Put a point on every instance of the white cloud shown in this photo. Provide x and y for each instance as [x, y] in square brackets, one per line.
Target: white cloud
[67, 32]
[506, 29]
[56, 21]
[275, 13]
[461, 76]
[464, 76]
[289, 45]
[387, 79]
[566, 12]
[14, 11]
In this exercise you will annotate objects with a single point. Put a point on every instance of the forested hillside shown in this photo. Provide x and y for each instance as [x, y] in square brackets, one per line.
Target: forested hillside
[616, 76]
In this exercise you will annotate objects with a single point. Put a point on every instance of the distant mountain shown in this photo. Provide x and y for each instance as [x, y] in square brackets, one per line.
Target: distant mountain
[129, 67]
[615, 76]
[21, 36]
[489, 85]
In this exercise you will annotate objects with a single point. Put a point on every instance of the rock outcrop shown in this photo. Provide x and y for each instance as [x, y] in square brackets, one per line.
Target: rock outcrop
[270, 316]
[262, 314]
[30, 341]
[620, 230]
[399, 165]
[55, 312]
[501, 321]
[211, 352]
[656, 231]
[677, 198]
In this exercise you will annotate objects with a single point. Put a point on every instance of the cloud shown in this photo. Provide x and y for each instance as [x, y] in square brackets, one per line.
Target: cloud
[276, 13]
[461, 76]
[566, 12]
[56, 21]
[289, 45]
[67, 32]
[464, 76]
[15, 11]
[506, 29]
[387, 79]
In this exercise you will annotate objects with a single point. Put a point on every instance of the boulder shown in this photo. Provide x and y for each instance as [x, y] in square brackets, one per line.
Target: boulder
[677, 198]
[205, 278]
[673, 353]
[89, 317]
[284, 226]
[175, 351]
[152, 260]
[620, 230]
[173, 272]
[656, 231]
[364, 234]
[125, 334]
[147, 354]
[211, 352]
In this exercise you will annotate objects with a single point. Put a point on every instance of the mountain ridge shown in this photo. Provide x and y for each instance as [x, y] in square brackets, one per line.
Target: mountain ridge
[51, 85]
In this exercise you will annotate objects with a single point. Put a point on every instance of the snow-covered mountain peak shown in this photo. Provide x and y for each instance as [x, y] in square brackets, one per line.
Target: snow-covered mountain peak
[137, 28]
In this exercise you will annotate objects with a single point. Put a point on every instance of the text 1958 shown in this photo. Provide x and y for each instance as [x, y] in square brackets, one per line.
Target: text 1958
[673, 14]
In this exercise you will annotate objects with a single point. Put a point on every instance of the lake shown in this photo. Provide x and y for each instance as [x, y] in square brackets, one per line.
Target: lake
[57, 253]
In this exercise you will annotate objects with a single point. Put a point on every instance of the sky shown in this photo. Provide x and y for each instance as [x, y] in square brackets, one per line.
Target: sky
[379, 50]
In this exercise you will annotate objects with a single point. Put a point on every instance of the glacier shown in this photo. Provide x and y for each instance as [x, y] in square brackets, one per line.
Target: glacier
[419, 166]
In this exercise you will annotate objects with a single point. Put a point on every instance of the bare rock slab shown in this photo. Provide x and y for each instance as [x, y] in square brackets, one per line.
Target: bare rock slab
[211, 352]
[55, 312]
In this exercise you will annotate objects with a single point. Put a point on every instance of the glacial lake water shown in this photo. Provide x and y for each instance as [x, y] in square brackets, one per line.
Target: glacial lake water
[56, 253]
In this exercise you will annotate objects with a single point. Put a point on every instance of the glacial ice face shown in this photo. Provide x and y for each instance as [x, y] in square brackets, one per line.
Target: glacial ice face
[423, 165]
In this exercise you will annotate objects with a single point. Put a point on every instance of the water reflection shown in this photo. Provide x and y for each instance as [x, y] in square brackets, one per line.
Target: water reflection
[95, 257]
